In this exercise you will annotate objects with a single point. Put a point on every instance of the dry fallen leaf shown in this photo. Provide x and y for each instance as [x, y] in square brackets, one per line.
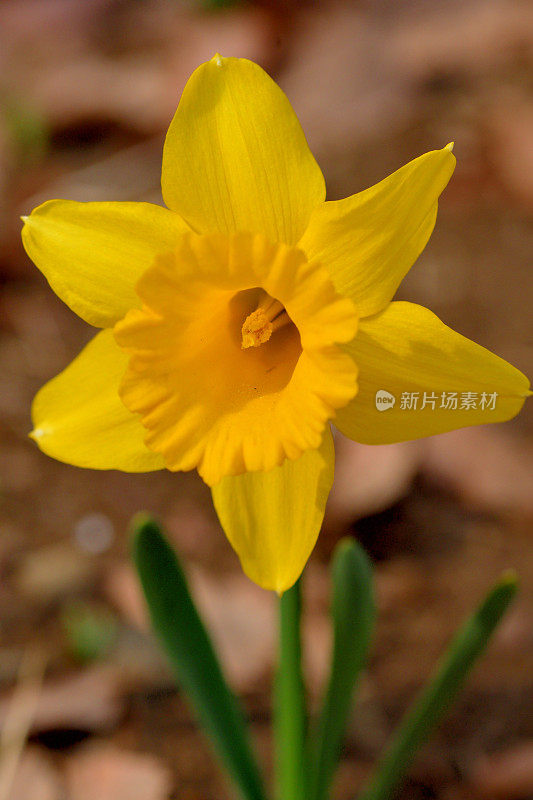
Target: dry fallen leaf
[53, 571]
[87, 701]
[504, 776]
[36, 778]
[135, 85]
[104, 772]
[473, 39]
[490, 469]
[508, 133]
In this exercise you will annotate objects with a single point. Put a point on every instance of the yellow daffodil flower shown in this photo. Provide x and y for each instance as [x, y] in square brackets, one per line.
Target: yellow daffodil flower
[241, 320]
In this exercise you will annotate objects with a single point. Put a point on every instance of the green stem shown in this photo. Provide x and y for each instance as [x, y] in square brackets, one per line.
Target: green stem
[468, 644]
[289, 701]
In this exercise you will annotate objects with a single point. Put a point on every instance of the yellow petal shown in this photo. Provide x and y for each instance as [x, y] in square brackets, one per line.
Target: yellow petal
[207, 402]
[407, 352]
[369, 241]
[79, 418]
[92, 254]
[272, 519]
[236, 158]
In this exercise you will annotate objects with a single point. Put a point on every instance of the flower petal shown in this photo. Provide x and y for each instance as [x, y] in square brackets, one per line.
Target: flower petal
[236, 158]
[79, 418]
[92, 254]
[407, 349]
[272, 519]
[370, 240]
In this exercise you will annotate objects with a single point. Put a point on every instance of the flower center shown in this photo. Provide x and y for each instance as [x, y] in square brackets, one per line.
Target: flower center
[259, 326]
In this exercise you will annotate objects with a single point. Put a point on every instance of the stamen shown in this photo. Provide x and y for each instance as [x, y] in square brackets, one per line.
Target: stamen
[259, 326]
[256, 329]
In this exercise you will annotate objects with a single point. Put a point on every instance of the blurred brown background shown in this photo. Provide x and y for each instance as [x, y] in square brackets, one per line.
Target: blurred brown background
[88, 710]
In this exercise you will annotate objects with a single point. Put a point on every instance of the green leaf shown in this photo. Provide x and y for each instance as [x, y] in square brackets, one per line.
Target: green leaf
[353, 613]
[289, 701]
[191, 654]
[468, 644]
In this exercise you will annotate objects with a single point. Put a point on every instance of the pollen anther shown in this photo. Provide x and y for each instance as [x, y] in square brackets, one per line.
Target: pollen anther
[259, 326]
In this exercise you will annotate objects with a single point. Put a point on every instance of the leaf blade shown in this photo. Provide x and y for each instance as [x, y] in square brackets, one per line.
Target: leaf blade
[353, 613]
[190, 652]
[466, 647]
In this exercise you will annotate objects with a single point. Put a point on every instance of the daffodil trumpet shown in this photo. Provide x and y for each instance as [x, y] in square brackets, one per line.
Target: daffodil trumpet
[242, 320]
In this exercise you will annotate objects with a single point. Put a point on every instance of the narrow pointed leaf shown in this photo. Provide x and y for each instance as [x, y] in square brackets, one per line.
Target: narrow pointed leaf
[353, 613]
[466, 647]
[191, 654]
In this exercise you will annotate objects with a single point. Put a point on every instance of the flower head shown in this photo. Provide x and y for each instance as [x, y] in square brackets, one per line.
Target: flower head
[242, 319]
[235, 364]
